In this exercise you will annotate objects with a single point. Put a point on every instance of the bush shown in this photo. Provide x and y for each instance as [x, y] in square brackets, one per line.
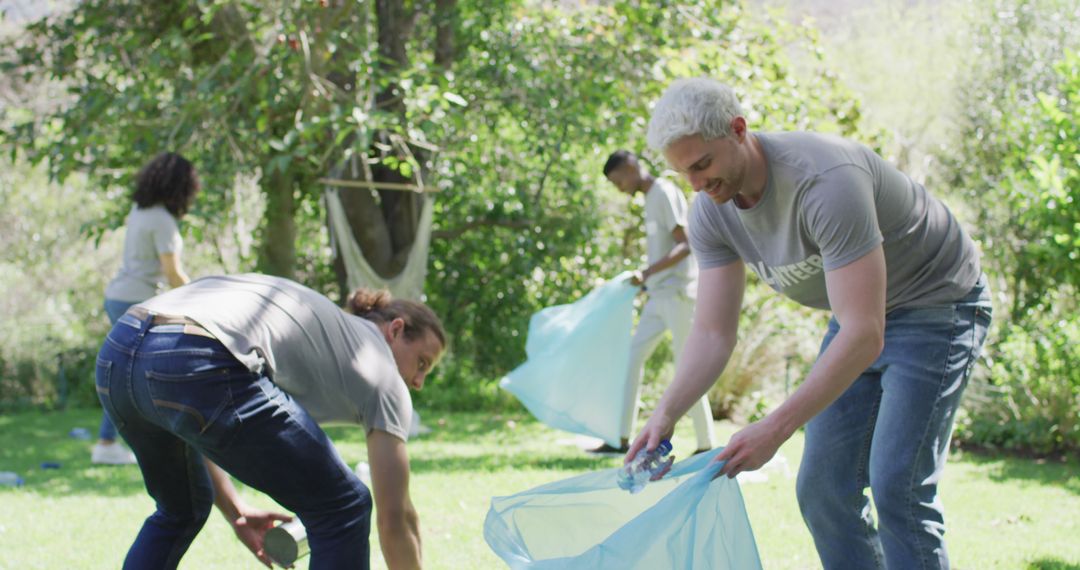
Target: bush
[1015, 157]
[1028, 399]
[51, 313]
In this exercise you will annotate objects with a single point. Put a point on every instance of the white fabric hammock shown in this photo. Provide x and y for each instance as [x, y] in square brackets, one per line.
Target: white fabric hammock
[409, 284]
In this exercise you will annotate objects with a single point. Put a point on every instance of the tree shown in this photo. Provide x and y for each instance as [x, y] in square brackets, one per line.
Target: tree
[278, 89]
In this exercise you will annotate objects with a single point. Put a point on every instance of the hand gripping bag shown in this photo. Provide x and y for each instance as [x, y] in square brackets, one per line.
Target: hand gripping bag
[577, 359]
[686, 520]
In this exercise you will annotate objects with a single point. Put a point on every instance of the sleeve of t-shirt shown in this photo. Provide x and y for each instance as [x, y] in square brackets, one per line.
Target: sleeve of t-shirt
[673, 212]
[706, 240]
[389, 409]
[840, 214]
[166, 234]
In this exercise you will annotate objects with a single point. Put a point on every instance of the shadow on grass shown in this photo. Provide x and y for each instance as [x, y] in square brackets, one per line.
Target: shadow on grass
[1060, 473]
[488, 463]
[1051, 564]
[457, 427]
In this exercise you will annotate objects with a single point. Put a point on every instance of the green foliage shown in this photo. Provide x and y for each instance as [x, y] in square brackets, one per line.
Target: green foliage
[1016, 156]
[1033, 400]
[52, 300]
[1042, 171]
[997, 140]
[1034, 364]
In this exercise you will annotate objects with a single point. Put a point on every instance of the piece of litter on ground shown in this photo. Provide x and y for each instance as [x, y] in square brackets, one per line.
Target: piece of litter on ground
[11, 479]
[778, 465]
[752, 477]
[581, 441]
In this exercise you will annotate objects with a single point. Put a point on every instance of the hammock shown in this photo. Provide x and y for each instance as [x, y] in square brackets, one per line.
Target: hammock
[409, 284]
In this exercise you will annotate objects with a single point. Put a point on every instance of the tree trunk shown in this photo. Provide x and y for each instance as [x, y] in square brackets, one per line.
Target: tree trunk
[400, 209]
[445, 15]
[369, 228]
[277, 252]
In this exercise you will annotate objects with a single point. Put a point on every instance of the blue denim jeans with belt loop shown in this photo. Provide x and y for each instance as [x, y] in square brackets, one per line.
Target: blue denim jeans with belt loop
[890, 431]
[176, 398]
[114, 309]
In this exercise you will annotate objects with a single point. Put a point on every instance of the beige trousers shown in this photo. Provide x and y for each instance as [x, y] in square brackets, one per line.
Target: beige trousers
[669, 310]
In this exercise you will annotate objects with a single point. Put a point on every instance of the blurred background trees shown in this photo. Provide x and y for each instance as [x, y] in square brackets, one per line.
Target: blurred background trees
[510, 108]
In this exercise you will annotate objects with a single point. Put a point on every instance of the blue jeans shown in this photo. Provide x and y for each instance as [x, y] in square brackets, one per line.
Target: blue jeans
[114, 309]
[176, 398]
[890, 431]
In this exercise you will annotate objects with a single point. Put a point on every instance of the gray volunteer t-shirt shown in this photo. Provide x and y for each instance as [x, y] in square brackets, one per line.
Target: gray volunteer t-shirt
[665, 209]
[828, 202]
[150, 232]
[336, 365]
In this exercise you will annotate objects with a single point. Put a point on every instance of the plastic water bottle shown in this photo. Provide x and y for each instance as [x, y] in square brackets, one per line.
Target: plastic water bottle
[10, 479]
[286, 542]
[646, 464]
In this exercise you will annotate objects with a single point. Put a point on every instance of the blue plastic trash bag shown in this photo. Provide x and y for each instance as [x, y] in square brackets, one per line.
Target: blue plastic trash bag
[577, 359]
[686, 520]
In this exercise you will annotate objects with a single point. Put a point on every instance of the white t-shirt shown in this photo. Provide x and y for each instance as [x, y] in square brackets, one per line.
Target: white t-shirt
[336, 365]
[150, 232]
[665, 209]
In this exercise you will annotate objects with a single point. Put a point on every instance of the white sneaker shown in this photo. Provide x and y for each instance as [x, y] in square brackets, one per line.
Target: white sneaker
[363, 471]
[112, 454]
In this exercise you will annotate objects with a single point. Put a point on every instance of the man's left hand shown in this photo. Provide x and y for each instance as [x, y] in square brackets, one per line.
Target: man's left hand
[750, 448]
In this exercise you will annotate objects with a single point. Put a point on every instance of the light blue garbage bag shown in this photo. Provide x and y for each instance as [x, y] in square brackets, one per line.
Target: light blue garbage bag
[686, 520]
[577, 359]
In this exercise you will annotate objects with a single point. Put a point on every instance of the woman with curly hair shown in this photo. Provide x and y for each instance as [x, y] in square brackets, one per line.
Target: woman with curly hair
[164, 191]
[233, 375]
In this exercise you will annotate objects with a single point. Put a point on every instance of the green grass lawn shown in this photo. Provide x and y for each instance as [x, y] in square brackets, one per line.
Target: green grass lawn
[1001, 512]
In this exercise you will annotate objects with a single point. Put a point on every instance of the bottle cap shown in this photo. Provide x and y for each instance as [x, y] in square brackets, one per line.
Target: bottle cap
[664, 447]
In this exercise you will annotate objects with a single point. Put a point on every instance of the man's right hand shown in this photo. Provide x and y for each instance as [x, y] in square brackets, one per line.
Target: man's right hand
[251, 526]
[657, 429]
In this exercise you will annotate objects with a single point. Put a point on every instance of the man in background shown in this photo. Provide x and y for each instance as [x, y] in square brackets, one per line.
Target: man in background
[669, 279]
